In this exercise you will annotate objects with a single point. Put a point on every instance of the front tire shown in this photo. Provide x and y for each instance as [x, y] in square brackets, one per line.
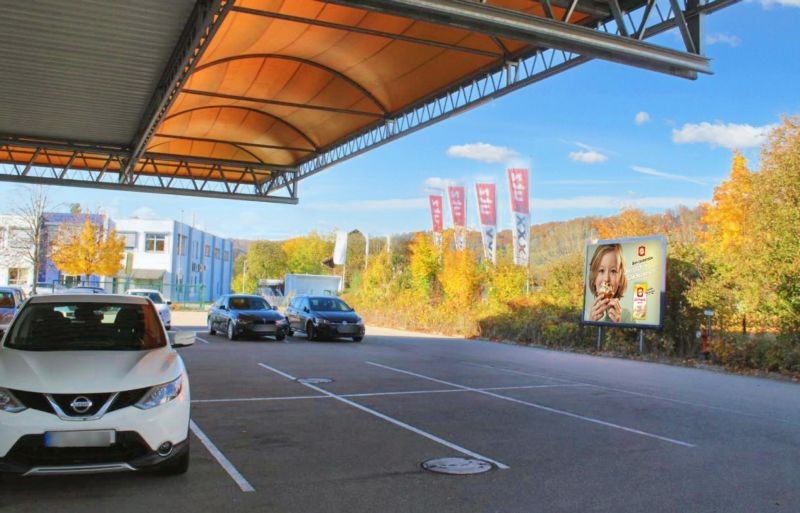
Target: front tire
[311, 332]
[231, 331]
[358, 339]
[280, 336]
[211, 330]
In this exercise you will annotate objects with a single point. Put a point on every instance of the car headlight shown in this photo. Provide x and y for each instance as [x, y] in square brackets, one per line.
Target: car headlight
[282, 320]
[9, 403]
[244, 322]
[359, 321]
[320, 320]
[161, 394]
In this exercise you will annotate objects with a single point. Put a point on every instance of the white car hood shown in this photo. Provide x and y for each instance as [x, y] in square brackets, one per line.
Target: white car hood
[66, 372]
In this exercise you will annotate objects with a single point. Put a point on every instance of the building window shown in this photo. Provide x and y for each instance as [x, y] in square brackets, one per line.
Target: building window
[226, 255]
[15, 275]
[216, 253]
[130, 240]
[181, 244]
[18, 238]
[155, 242]
[196, 246]
[207, 251]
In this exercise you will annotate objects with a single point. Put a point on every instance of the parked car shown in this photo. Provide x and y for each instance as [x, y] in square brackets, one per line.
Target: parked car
[97, 390]
[10, 301]
[162, 305]
[246, 315]
[82, 289]
[324, 317]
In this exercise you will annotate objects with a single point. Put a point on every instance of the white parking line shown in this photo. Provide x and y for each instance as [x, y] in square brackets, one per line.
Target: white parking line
[540, 407]
[392, 420]
[372, 394]
[221, 459]
[201, 339]
[641, 394]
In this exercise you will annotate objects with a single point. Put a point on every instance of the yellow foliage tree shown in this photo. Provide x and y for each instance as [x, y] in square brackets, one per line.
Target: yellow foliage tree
[424, 263]
[460, 278]
[726, 218]
[88, 252]
[629, 223]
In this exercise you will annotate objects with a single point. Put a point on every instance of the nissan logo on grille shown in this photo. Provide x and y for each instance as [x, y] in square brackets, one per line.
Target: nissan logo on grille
[81, 404]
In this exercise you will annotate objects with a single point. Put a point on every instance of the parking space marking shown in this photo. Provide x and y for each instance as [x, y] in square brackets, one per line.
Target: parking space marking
[201, 339]
[641, 394]
[373, 394]
[541, 407]
[392, 420]
[221, 459]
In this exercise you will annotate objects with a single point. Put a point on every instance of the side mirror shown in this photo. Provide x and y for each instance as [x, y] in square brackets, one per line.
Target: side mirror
[274, 307]
[305, 309]
[169, 302]
[181, 338]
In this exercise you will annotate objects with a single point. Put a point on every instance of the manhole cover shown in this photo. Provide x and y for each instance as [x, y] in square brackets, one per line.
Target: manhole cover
[314, 381]
[460, 466]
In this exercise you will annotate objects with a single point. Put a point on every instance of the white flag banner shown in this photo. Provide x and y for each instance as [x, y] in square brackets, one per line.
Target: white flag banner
[340, 249]
[518, 192]
[487, 214]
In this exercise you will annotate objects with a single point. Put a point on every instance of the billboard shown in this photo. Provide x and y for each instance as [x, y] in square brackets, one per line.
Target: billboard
[625, 282]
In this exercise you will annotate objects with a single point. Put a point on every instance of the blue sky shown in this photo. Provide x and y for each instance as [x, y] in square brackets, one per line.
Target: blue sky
[596, 138]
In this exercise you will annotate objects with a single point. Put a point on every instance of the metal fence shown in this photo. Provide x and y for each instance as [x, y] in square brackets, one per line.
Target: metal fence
[190, 297]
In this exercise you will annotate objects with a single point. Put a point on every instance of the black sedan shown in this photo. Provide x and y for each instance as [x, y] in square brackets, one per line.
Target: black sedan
[324, 317]
[245, 315]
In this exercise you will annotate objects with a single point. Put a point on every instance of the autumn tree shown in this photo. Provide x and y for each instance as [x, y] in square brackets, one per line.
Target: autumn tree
[424, 263]
[630, 222]
[88, 251]
[30, 212]
[304, 255]
[460, 278]
[775, 225]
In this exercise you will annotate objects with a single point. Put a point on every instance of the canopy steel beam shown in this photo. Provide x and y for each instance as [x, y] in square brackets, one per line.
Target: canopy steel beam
[203, 23]
[487, 86]
[542, 32]
[162, 174]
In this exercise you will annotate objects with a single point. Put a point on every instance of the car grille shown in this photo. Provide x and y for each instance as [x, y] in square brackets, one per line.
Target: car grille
[38, 401]
[30, 450]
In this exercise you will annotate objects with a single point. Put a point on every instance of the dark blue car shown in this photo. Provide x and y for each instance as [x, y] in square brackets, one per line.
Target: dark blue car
[244, 315]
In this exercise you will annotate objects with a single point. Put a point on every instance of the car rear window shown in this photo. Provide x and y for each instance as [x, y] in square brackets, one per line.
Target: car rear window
[78, 326]
[6, 299]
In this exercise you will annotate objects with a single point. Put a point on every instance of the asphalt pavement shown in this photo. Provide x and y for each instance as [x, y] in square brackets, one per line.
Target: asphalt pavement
[338, 426]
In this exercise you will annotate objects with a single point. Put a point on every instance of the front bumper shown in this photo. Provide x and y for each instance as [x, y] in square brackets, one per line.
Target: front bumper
[261, 330]
[139, 433]
[334, 330]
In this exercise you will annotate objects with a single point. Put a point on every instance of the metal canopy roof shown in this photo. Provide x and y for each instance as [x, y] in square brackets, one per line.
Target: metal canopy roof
[243, 99]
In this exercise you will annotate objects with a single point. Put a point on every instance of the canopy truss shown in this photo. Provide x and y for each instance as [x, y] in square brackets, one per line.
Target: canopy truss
[255, 95]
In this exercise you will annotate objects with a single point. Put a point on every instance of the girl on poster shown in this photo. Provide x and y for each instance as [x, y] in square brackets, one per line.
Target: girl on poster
[607, 283]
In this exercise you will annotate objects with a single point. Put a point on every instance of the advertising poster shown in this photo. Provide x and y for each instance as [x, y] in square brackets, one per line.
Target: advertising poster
[624, 282]
[520, 214]
[487, 214]
[458, 209]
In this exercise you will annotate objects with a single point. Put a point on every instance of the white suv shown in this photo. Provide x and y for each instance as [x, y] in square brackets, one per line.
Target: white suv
[90, 383]
[162, 305]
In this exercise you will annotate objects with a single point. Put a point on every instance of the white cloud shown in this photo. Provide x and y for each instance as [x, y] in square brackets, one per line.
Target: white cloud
[483, 152]
[437, 183]
[785, 3]
[652, 172]
[613, 202]
[728, 135]
[373, 205]
[145, 213]
[587, 157]
[642, 118]
[726, 39]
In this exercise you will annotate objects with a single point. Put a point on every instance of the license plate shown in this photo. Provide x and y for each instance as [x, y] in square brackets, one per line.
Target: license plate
[261, 328]
[100, 438]
[348, 328]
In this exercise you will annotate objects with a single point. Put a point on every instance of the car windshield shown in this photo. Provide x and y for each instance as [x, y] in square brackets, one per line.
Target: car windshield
[6, 299]
[155, 297]
[78, 326]
[249, 303]
[328, 304]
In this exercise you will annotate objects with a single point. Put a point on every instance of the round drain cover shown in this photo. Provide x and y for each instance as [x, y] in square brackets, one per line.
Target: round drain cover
[314, 381]
[460, 466]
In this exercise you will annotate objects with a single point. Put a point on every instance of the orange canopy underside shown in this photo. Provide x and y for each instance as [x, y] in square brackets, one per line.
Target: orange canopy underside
[282, 80]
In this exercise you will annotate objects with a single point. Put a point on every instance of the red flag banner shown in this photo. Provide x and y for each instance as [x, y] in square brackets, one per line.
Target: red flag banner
[457, 205]
[518, 189]
[487, 208]
[437, 212]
